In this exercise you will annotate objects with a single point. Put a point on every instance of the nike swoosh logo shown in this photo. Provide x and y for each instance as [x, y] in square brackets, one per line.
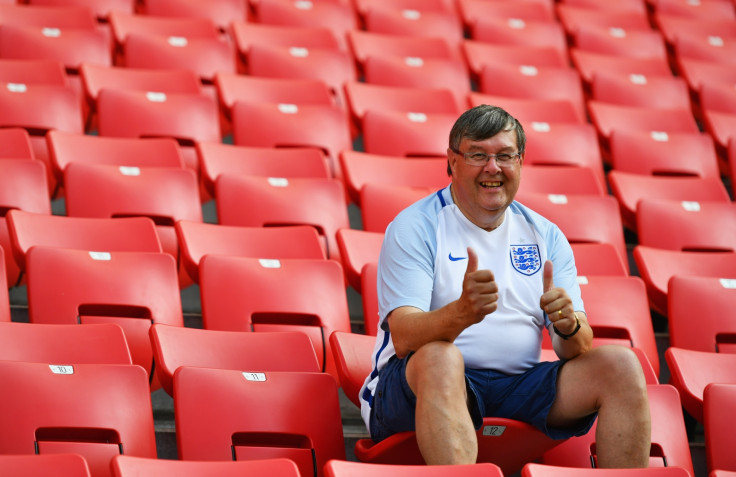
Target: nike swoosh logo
[455, 259]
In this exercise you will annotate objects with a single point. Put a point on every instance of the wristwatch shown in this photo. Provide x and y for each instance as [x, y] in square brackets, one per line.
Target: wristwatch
[569, 335]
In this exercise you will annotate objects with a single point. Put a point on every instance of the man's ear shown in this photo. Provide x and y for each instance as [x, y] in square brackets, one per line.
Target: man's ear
[451, 159]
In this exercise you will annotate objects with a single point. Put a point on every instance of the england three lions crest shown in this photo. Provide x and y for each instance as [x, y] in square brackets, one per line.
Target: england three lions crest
[526, 259]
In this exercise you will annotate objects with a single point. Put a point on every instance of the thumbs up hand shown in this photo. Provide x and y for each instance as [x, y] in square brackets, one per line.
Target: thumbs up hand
[556, 302]
[480, 292]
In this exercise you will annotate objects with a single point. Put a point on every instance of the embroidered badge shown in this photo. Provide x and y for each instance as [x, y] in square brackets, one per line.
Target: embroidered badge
[526, 259]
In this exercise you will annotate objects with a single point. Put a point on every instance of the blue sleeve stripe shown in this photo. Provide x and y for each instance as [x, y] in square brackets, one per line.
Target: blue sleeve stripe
[367, 396]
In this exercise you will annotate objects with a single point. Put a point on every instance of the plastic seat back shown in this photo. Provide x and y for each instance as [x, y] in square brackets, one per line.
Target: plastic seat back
[630, 189]
[336, 468]
[360, 168]
[24, 186]
[62, 465]
[307, 295]
[692, 371]
[102, 343]
[218, 158]
[714, 332]
[281, 202]
[132, 289]
[176, 346]
[127, 466]
[198, 239]
[687, 225]
[381, 203]
[541, 470]
[409, 134]
[669, 448]
[719, 415]
[582, 218]
[69, 411]
[229, 415]
[658, 266]
[65, 148]
[664, 154]
[598, 259]
[126, 234]
[357, 248]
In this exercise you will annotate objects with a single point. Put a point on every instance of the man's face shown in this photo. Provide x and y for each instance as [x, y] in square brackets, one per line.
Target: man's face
[483, 193]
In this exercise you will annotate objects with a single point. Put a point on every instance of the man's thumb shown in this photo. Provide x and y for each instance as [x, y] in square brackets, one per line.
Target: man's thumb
[547, 282]
[472, 261]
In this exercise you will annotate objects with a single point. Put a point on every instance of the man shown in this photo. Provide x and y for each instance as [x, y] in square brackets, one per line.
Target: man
[468, 280]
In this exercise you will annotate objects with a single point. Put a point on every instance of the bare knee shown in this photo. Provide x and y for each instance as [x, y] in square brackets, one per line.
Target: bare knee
[438, 365]
[619, 369]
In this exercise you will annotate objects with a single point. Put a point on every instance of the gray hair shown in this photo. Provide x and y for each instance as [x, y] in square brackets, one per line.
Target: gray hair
[483, 122]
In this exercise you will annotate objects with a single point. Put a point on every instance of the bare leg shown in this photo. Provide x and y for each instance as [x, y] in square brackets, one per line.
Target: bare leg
[609, 380]
[445, 432]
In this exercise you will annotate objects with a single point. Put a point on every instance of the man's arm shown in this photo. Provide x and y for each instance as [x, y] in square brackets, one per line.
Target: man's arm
[577, 335]
[411, 328]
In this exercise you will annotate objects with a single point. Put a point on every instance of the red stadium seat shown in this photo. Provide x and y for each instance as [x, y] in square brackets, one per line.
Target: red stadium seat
[127, 466]
[630, 188]
[657, 266]
[687, 226]
[360, 168]
[478, 54]
[582, 218]
[63, 465]
[198, 239]
[338, 468]
[411, 22]
[549, 144]
[589, 64]
[670, 446]
[175, 347]
[203, 56]
[101, 8]
[505, 449]
[357, 249]
[71, 411]
[719, 399]
[221, 13]
[517, 31]
[640, 90]
[534, 112]
[323, 127]
[23, 186]
[306, 295]
[691, 372]
[598, 259]
[541, 470]
[219, 158]
[409, 134]
[132, 289]
[381, 203]
[226, 415]
[339, 17]
[66, 148]
[235, 87]
[101, 343]
[29, 229]
[532, 82]
[661, 153]
[281, 202]
[364, 44]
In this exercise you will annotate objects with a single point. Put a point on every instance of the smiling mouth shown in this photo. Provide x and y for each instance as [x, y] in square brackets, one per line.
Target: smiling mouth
[490, 185]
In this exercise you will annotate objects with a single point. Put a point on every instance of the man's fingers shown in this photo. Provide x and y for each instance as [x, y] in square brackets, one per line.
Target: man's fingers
[472, 261]
[547, 282]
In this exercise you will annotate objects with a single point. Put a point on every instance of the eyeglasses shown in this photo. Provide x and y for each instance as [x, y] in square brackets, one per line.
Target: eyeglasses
[481, 158]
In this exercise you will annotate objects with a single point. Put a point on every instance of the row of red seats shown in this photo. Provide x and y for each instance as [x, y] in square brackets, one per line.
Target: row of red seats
[253, 378]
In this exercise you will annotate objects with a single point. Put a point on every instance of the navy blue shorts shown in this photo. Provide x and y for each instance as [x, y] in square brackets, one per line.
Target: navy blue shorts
[525, 397]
